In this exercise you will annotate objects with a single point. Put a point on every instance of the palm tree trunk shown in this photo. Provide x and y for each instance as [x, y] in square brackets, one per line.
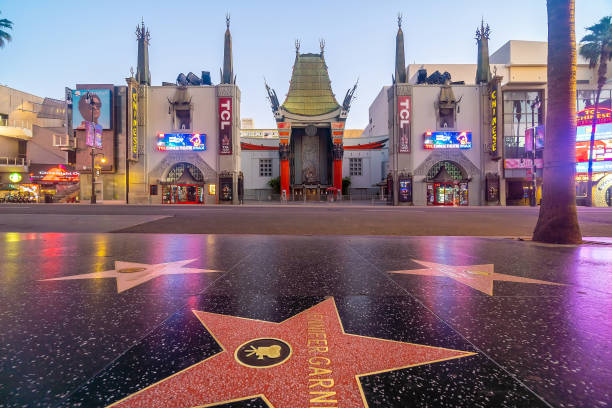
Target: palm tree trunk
[591, 146]
[558, 220]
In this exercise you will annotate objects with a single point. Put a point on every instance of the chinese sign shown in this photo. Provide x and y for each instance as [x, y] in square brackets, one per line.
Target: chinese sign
[493, 123]
[403, 118]
[448, 140]
[585, 117]
[181, 141]
[133, 139]
[225, 125]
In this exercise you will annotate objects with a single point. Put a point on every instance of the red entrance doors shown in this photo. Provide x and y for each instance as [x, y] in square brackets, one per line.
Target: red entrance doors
[447, 194]
[183, 194]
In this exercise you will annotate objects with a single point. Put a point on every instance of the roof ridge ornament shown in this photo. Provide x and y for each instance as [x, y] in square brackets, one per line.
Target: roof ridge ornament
[399, 20]
[297, 46]
[227, 20]
[322, 45]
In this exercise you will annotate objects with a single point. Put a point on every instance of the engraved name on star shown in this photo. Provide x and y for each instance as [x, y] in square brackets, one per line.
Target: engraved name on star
[479, 277]
[131, 274]
[305, 361]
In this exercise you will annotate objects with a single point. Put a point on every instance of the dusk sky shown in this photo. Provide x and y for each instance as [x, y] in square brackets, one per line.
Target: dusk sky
[62, 43]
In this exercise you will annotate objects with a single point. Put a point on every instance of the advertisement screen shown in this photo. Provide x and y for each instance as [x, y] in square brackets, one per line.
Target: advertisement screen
[448, 140]
[181, 141]
[97, 108]
[93, 135]
[602, 132]
[602, 151]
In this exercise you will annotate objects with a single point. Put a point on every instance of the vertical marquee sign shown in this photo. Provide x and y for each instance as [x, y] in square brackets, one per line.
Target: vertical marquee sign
[493, 94]
[225, 125]
[133, 111]
[403, 118]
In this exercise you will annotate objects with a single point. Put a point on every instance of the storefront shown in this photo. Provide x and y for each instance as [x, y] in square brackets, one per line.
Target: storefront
[16, 189]
[447, 185]
[184, 184]
[55, 182]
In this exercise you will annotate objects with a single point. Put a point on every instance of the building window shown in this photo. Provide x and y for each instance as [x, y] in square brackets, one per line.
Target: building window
[355, 166]
[265, 167]
[518, 116]
[183, 119]
[586, 99]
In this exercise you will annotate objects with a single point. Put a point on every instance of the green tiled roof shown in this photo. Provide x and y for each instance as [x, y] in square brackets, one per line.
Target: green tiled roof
[310, 92]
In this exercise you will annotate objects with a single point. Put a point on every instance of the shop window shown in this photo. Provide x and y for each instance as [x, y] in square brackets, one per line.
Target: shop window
[518, 117]
[265, 167]
[183, 119]
[355, 166]
[177, 171]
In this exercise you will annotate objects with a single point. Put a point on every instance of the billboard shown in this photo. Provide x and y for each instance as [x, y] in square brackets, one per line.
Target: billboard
[602, 151]
[181, 141]
[403, 123]
[225, 125]
[53, 173]
[98, 112]
[448, 140]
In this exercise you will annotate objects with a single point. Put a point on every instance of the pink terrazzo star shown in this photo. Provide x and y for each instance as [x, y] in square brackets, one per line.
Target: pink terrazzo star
[322, 368]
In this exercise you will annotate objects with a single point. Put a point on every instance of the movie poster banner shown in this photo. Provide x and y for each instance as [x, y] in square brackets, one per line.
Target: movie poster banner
[91, 105]
[403, 119]
[225, 125]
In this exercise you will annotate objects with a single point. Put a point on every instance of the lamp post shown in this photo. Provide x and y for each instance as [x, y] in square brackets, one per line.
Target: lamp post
[89, 98]
[534, 105]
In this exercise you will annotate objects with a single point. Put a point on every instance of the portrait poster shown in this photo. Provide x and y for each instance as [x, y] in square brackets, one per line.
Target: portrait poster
[98, 107]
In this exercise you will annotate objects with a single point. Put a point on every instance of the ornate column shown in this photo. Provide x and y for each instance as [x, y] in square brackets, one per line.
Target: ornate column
[337, 129]
[284, 133]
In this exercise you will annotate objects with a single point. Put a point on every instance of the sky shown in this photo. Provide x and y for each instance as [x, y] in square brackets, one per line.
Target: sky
[61, 43]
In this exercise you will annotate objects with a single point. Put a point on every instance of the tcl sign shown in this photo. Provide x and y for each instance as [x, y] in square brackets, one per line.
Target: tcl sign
[403, 116]
[225, 125]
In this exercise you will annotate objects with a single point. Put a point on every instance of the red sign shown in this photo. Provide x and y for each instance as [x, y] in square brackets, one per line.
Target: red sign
[403, 120]
[225, 125]
[585, 117]
[602, 151]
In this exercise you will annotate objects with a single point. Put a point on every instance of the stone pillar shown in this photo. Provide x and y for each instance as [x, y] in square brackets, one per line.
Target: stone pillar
[283, 150]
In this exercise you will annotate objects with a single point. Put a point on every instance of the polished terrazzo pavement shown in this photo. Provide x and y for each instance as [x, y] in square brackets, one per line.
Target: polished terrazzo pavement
[137, 320]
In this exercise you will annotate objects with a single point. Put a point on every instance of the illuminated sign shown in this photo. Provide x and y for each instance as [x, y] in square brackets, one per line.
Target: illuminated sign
[602, 151]
[133, 152]
[602, 132]
[181, 141]
[225, 125]
[403, 118]
[493, 124]
[212, 189]
[448, 140]
[597, 166]
[50, 173]
[15, 177]
[585, 117]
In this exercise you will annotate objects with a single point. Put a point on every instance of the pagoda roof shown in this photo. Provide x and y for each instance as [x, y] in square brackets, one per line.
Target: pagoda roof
[310, 92]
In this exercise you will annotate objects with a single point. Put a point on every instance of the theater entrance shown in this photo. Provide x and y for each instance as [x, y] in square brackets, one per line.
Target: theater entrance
[184, 184]
[447, 185]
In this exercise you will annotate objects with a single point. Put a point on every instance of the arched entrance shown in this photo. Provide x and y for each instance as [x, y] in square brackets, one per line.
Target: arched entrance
[184, 184]
[447, 184]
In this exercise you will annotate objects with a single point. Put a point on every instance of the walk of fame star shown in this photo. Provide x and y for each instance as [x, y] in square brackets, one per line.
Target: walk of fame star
[130, 274]
[479, 277]
[305, 361]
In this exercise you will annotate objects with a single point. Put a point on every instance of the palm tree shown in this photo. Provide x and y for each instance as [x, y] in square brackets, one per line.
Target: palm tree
[558, 220]
[4, 36]
[596, 47]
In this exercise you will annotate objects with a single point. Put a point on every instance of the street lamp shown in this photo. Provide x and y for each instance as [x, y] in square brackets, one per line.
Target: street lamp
[534, 105]
[90, 100]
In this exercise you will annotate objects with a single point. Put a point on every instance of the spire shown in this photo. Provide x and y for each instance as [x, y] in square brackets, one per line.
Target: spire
[400, 60]
[228, 65]
[143, 76]
[483, 72]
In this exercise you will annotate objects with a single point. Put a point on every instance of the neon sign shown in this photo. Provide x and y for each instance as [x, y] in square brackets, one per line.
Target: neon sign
[448, 140]
[493, 97]
[15, 177]
[181, 141]
[585, 117]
